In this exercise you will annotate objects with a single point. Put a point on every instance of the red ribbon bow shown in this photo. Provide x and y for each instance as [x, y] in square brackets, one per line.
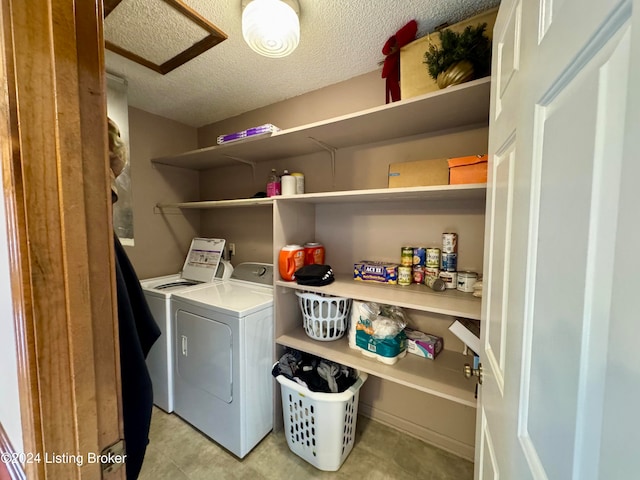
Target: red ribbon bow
[391, 67]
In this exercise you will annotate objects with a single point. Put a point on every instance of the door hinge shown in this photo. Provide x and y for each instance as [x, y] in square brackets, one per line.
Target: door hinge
[113, 457]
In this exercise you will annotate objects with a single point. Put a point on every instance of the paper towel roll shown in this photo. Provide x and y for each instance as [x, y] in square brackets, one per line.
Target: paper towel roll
[355, 317]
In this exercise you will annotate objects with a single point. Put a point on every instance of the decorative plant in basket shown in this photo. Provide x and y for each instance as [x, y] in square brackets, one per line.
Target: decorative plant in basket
[462, 56]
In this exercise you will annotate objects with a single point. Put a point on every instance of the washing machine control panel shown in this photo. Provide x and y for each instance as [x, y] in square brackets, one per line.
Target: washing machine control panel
[259, 273]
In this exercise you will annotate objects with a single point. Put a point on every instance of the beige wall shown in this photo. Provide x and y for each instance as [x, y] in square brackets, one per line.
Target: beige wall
[161, 240]
[358, 93]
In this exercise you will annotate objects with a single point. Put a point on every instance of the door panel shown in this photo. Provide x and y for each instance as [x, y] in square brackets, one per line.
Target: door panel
[498, 286]
[573, 258]
[556, 155]
[204, 354]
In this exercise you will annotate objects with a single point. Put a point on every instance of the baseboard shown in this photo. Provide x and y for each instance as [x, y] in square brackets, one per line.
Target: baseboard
[421, 433]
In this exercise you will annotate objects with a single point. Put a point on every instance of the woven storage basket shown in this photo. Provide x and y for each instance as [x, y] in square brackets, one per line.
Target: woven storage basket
[324, 317]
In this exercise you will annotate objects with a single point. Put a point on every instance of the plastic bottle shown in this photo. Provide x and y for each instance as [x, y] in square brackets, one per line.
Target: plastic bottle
[288, 183]
[273, 184]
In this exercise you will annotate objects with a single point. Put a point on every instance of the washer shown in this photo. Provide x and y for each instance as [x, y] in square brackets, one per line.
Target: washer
[223, 357]
[202, 262]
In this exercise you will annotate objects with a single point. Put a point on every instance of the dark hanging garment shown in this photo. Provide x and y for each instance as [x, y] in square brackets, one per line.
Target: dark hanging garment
[138, 332]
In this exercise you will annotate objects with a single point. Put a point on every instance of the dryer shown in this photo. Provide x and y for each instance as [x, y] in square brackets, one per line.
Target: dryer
[223, 357]
[202, 265]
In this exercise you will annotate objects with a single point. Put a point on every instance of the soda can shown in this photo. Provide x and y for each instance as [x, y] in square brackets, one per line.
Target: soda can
[449, 262]
[449, 243]
[406, 256]
[433, 257]
[419, 256]
[404, 275]
[418, 274]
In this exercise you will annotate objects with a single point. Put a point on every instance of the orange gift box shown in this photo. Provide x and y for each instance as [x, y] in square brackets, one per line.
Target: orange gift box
[471, 169]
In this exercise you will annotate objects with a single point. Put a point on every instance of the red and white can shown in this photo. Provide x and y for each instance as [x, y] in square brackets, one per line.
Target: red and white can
[313, 253]
[418, 274]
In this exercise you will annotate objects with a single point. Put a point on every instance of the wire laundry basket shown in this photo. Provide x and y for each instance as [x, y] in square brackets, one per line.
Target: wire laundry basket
[324, 317]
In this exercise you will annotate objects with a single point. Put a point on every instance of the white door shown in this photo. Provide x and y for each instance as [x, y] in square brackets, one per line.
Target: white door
[559, 331]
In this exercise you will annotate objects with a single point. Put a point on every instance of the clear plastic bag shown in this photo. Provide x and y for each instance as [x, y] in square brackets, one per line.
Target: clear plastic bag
[384, 321]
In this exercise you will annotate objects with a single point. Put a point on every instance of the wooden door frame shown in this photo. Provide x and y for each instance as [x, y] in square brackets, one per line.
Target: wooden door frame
[53, 147]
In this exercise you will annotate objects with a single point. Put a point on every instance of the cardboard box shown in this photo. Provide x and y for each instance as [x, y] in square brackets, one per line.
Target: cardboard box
[368, 271]
[414, 76]
[471, 169]
[423, 344]
[420, 173]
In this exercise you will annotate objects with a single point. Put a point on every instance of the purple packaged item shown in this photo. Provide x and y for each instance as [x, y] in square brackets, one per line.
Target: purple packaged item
[267, 128]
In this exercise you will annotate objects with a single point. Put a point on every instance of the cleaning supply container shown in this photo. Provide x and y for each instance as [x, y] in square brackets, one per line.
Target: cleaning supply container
[320, 427]
[324, 317]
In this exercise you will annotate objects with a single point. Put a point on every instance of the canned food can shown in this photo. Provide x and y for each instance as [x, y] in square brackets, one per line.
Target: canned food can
[449, 262]
[406, 256]
[450, 279]
[418, 274]
[419, 256]
[466, 280]
[450, 243]
[313, 253]
[404, 275]
[433, 257]
[435, 283]
[431, 272]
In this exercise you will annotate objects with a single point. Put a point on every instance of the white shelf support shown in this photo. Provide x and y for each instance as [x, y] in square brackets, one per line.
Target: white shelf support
[332, 151]
[246, 162]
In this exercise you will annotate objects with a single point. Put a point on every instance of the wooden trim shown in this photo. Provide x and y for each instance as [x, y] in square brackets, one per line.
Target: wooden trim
[215, 37]
[123, 52]
[109, 5]
[56, 189]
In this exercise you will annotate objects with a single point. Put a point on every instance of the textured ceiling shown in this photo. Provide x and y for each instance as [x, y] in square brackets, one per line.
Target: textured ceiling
[339, 39]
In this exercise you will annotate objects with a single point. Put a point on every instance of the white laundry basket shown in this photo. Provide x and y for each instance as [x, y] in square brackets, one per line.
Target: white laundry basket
[324, 317]
[320, 427]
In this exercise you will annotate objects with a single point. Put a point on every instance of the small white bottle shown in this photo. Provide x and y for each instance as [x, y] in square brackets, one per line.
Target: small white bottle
[288, 183]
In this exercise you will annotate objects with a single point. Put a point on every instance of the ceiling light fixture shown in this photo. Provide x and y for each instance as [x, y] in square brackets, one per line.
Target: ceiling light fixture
[271, 27]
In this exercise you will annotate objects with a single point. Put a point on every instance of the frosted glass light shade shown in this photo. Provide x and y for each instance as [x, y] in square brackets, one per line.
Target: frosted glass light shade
[271, 27]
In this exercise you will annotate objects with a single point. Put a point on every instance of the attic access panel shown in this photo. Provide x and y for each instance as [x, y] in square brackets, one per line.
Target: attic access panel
[138, 30]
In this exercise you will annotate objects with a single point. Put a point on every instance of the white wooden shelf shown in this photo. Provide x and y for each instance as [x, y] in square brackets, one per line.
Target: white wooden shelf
[442, 377]
[454, 107]
[241, 202]
[475, 191]
[414, 296]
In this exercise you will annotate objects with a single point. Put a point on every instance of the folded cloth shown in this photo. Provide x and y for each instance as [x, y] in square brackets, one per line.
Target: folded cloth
[314, 275]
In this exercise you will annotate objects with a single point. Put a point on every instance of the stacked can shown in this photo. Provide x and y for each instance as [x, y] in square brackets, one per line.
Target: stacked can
[449, 260]
[431, 269]
[405, 270]
[419, 259]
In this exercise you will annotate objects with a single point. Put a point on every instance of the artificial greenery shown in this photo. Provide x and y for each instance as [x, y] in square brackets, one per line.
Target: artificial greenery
[471, 44]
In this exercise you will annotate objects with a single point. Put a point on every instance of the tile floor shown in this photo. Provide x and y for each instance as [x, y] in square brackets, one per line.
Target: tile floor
[179, 452]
